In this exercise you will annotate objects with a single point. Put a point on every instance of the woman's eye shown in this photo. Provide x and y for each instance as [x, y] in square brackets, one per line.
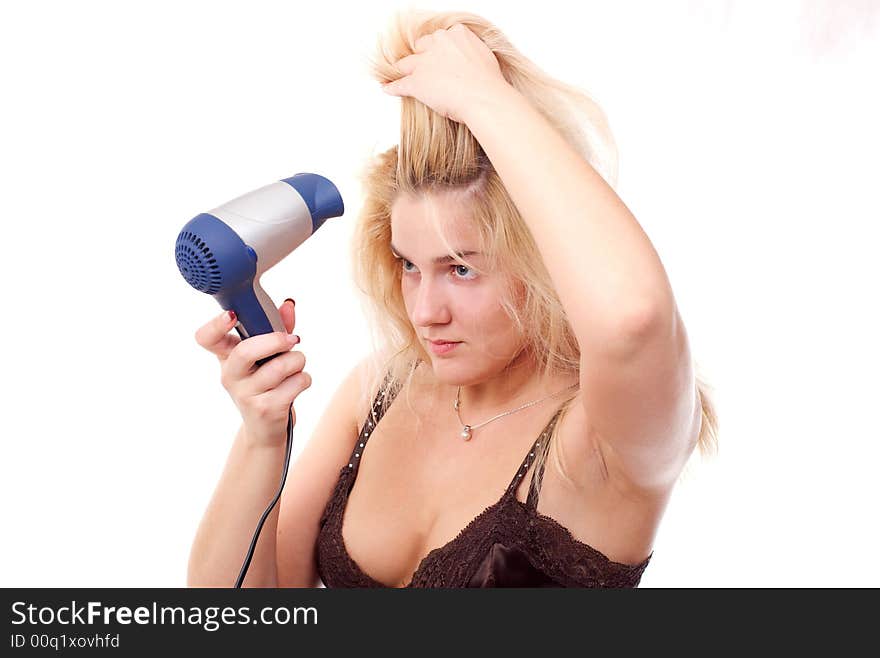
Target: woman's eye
[463, 272]
[458, 268]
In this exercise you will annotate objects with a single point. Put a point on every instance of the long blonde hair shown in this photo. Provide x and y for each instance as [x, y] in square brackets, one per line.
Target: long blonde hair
[439, 156]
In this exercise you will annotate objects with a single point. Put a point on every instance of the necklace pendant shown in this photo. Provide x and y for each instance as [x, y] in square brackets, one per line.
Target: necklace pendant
[466, 432]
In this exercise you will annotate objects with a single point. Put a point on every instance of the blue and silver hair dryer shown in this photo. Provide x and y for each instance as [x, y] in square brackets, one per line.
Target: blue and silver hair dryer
[225, 251]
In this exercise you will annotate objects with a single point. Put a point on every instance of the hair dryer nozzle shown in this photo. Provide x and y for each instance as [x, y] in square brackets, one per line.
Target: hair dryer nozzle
[321, 196]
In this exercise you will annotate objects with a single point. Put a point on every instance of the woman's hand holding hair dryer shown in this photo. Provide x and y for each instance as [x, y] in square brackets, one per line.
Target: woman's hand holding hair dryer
[264, 393]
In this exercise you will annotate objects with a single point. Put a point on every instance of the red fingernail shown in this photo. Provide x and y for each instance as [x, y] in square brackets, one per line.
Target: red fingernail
[231, 315]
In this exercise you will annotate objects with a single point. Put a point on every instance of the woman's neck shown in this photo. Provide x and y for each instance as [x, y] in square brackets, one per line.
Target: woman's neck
[517, 384]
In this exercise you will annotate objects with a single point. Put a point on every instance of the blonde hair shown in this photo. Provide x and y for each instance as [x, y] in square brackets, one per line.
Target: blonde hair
[437, 155]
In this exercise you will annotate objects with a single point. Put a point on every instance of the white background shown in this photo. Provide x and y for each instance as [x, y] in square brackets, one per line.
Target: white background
[748, 140]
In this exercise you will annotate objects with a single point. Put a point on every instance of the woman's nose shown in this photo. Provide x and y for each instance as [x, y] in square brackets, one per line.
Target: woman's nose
[430, 306]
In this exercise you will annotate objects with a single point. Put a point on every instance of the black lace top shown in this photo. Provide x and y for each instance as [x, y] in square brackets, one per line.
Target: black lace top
[509, 544]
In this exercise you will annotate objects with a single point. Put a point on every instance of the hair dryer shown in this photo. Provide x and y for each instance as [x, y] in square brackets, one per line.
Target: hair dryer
[225, 251]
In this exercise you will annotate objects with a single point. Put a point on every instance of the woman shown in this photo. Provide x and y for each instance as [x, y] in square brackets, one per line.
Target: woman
[548, 397]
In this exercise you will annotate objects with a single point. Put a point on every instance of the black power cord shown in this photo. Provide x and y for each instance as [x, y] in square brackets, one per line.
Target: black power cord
[250, 553]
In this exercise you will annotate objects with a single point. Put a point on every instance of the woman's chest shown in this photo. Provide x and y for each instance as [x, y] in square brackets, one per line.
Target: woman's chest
[419, 486]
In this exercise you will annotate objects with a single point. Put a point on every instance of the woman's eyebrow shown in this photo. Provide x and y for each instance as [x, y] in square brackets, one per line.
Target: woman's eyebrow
[439, 259]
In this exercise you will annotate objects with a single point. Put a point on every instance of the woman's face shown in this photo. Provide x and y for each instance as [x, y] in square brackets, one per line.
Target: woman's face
[448, 301]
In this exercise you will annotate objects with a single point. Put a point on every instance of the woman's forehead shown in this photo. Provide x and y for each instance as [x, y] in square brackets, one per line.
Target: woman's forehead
[418, 219]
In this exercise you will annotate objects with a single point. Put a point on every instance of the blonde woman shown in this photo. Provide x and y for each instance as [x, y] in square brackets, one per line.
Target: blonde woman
[547, 400]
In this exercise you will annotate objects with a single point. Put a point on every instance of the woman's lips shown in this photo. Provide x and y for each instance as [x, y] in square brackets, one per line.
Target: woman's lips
[443, 347]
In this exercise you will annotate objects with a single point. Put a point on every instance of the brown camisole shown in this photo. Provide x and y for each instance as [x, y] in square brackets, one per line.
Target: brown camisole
[509, 544]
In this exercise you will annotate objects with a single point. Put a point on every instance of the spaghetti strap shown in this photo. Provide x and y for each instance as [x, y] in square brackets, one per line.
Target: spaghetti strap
[539, 447]
[377, 410]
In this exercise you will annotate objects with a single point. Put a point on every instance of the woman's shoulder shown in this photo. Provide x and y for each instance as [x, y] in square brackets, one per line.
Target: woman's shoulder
[373, 373]
[382, 379]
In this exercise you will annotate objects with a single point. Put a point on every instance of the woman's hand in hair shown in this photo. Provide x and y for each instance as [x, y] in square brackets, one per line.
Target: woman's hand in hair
[450, 70]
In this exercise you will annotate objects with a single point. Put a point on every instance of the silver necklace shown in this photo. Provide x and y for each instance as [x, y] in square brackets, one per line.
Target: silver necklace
[467, 429]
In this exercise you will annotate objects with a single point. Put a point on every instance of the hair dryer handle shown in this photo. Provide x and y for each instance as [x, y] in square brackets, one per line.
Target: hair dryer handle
[256, 312]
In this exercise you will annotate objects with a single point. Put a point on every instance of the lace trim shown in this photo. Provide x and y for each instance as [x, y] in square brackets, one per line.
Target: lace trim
[548, 544]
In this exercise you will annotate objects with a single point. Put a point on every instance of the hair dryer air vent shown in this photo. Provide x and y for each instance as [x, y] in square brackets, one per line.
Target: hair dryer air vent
[196, 263]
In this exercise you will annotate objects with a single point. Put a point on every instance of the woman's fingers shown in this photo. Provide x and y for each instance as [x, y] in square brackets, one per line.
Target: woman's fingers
[423, 42]
[242, 359]
[270, 375]
[407, 64]
[285, 392]
[288, 314]
[215, 337]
